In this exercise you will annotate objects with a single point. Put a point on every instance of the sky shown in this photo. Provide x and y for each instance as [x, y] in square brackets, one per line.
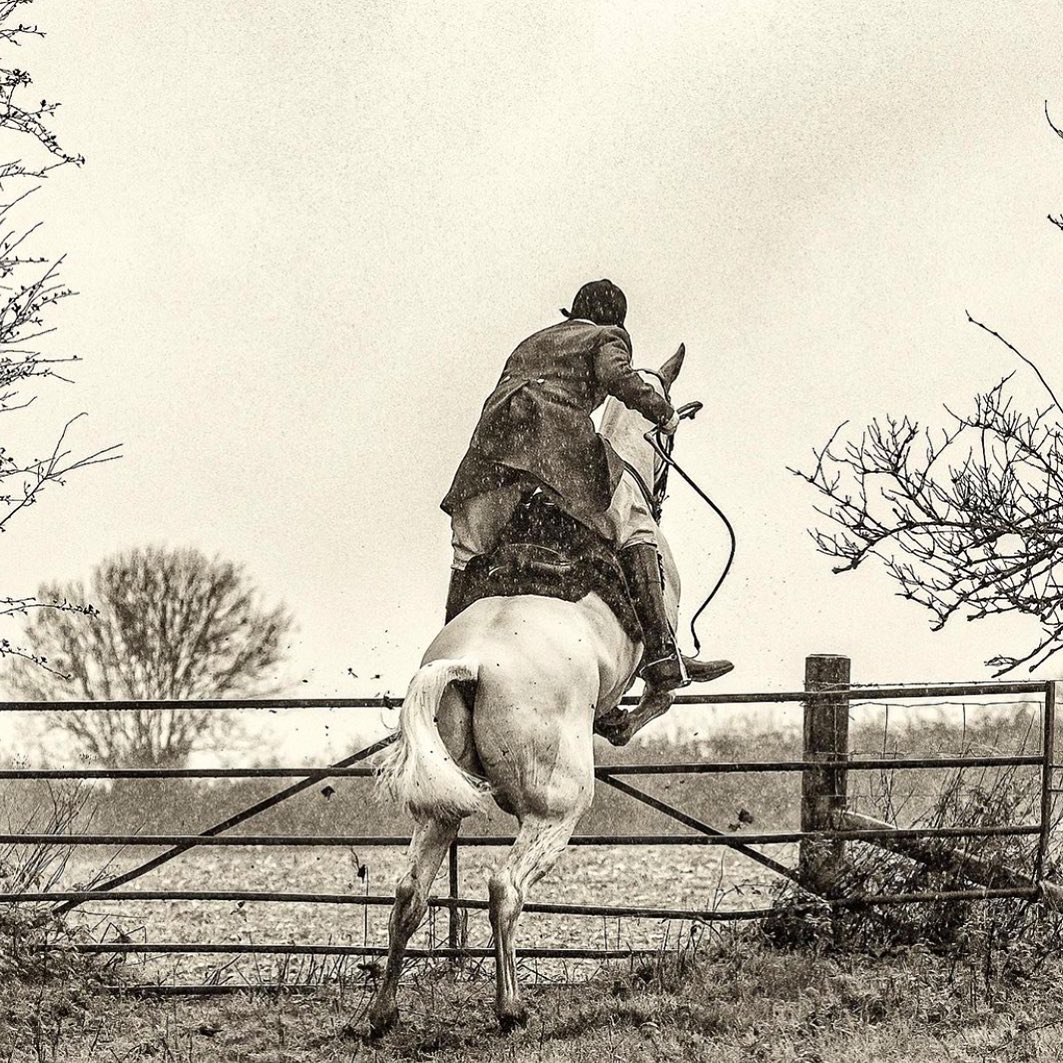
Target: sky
[305, 240]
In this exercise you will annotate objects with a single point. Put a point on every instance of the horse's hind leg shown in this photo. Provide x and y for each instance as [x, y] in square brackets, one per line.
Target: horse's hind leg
[536, 849]
[430, 841]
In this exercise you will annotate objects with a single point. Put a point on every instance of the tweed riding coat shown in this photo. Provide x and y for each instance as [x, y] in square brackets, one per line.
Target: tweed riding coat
[536, 425]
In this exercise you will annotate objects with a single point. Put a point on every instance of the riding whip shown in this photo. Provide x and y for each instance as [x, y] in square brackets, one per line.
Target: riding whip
[663, 447]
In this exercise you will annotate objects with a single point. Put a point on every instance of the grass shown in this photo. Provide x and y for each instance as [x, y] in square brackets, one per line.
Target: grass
[741, 1000]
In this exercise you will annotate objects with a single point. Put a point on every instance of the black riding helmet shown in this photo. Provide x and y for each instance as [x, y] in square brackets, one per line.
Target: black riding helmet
[601, 302]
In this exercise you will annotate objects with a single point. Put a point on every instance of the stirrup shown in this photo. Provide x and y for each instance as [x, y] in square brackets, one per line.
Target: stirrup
[671, 672]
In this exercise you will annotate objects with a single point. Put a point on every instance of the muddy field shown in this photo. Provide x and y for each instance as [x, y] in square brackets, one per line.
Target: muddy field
[673, 876]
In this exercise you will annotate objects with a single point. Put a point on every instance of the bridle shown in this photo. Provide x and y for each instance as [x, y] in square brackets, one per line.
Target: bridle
[655, 494]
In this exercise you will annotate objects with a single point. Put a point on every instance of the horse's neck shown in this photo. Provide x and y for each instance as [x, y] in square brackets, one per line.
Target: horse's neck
[626, 431]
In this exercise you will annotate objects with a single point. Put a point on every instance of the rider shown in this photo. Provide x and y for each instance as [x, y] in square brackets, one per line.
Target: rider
[535, 431]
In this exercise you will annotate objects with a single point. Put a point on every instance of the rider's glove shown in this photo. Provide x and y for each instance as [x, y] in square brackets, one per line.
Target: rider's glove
[669, 426]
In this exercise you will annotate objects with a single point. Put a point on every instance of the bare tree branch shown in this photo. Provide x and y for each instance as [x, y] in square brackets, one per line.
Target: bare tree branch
[1055, 128]
[1016, 351]
[967, 519]
[31, 287]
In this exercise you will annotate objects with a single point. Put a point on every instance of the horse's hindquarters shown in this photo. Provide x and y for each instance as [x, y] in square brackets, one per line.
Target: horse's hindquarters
[544, 666]
[535, 746]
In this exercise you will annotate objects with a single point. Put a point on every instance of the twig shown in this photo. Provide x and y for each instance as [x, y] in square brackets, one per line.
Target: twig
[1015, 350]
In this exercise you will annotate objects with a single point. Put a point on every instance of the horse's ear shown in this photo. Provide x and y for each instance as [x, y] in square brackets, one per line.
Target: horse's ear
[670, 369]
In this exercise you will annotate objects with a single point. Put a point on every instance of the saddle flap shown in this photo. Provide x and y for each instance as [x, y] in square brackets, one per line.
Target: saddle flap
[544, 551]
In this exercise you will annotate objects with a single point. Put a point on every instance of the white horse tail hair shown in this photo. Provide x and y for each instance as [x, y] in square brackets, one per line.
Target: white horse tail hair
[417, 771]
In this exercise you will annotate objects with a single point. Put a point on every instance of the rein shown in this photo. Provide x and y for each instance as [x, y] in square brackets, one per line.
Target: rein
[653, 497]
[662, 446]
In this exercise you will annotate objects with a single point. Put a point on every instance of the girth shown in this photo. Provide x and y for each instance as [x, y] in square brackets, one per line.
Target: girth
[531, 558]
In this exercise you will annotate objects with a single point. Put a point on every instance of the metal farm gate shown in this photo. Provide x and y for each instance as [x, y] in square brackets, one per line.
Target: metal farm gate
[826, 821]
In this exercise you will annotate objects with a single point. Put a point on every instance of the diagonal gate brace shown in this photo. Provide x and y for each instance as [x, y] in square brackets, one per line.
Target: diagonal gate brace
[233, 821]
[704, 828]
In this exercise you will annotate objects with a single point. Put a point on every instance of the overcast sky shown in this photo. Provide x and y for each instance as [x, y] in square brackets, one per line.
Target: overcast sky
[307, 236]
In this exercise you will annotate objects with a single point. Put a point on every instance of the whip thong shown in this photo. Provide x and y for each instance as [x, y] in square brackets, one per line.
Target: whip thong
[663, 447]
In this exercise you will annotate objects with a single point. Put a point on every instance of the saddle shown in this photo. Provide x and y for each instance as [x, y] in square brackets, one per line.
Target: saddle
[544, 551]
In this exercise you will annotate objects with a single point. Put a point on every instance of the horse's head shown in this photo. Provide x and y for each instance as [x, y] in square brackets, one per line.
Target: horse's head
[626, 429]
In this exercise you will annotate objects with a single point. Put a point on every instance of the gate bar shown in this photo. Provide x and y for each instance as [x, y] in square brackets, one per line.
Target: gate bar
[183, 845]
[696, 824]
[455, 918]
[288, 949]
[324, 771]
[854, 900]
[373, 900]
[866, 763]
[387, 701]
[1048, 752]
[190, 841]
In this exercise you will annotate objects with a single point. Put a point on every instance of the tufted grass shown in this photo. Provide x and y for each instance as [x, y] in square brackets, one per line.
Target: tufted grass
[741, 1000]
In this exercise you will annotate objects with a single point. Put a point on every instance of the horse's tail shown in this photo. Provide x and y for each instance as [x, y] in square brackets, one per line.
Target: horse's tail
[417, 771]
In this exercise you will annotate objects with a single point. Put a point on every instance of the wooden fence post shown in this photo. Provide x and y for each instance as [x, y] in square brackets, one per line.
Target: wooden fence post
[824, 790]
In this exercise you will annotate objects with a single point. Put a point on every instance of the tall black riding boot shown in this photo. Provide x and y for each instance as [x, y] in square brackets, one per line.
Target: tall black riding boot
[455, 594]
[663, 666]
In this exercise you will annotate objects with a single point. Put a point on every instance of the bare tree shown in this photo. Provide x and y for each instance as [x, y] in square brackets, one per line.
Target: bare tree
[967, 517]
[30, 288]
[168, 624]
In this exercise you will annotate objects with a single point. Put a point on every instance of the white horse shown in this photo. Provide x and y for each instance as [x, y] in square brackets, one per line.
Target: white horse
[544, 669]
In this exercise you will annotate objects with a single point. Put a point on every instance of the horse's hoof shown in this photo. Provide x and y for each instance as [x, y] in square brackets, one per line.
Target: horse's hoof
[614, 728]
[619, 736]
[381, 1022]
[513, 1018]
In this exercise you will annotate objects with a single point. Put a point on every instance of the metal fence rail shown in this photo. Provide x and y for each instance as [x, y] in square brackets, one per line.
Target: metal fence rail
[825, 766]
[733, 840]
[319, 772]
[892, 692]
[540, 907]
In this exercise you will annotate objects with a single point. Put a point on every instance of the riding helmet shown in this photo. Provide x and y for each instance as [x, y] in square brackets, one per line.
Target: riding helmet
[601, 302]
